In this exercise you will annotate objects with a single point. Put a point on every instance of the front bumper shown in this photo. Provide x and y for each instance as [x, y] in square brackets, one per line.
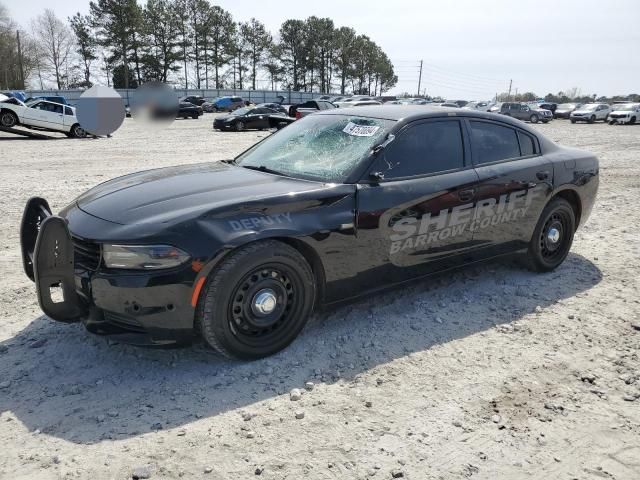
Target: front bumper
[619, 118]
[144, 308]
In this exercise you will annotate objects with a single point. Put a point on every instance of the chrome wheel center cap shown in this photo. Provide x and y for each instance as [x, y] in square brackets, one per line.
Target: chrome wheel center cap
[264, 302]
[553, 235]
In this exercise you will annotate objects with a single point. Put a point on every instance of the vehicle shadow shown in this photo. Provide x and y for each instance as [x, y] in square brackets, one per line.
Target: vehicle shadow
[70, 384]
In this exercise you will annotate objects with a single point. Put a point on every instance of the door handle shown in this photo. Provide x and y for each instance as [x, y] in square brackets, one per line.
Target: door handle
[542, 175]
[466, 195]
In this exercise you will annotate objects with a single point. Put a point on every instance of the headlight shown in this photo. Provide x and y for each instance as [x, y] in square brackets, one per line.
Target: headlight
[143, 257]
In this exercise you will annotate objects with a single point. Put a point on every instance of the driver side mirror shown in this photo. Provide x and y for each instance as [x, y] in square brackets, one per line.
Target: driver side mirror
[376, 176]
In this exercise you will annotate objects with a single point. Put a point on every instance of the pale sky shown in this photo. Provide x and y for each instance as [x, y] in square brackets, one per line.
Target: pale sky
[470, 48]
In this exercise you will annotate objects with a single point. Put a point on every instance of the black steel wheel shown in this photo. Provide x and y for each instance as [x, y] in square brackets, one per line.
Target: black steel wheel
[552, 237]
[257, 301]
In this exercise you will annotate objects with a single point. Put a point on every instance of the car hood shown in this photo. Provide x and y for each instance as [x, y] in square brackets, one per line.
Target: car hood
[583, 111]
[167, 194]
[224, 118]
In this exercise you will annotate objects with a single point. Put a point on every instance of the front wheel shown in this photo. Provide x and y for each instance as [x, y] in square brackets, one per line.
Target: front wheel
[239, 126]
[592, 119]
[8, 119]
[573, 121]
[77, 131]
[632, 121]
[257, 301]
[552, 237]
[533, 119]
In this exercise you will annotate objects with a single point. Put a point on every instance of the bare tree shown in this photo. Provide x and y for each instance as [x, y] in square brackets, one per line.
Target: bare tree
[56, 41]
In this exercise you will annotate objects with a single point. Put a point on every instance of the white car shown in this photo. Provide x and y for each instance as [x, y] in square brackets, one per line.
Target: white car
[356, 98]
[40, 115]
[590, 112]
[624, 113]
[478, 106]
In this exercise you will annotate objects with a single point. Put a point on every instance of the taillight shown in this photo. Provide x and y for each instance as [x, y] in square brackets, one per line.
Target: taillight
[298, 115]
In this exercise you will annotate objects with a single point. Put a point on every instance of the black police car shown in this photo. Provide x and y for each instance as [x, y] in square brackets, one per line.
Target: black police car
[336, 205]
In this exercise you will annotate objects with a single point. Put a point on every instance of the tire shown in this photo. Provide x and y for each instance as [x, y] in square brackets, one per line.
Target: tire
[227, 314]
[632, 121]
[8, 119]
[592, 119]
[573, 121]
[239, 126]
[552, 237]
[194, 116]
[77, 131]
[545, 121]
[533, 118]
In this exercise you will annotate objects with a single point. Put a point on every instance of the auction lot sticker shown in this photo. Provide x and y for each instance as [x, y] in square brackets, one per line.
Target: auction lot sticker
[360, 130]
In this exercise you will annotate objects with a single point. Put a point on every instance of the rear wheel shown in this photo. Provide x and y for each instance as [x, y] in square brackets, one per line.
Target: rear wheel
[552, 237]
[77, 131]
[8, 119]
[257, 301]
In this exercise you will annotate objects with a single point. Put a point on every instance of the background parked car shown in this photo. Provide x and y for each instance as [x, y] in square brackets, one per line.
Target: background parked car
[525, 112]
[274, 106]
[478, 106]
[186, 110]
[228, 104]
[195, 99]
[356, 98]
[364, 103]
[590, 112]
[208, 107]
[547, 106]
[495, 108]
[447, 104]
[564, 110]
[311, 106]
[247, 118]
[40, 115]
[624, 113]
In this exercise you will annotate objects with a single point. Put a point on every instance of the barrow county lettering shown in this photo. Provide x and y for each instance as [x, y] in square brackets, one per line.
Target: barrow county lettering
[251, 223]
[412, 233]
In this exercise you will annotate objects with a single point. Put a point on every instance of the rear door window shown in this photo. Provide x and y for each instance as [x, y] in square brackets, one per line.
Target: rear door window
[491, 142]
[422, 149]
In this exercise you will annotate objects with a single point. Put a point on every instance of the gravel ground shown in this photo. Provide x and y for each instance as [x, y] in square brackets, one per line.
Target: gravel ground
[490, 372]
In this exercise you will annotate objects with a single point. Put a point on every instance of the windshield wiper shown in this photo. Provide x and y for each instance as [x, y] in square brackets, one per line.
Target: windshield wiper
[264, 169]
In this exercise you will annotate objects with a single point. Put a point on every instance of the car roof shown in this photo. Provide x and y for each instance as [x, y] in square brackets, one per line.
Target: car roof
[408, 113]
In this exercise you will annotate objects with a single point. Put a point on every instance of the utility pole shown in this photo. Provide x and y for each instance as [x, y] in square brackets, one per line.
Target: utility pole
[21, 73]
[509, 94]
[420, 78]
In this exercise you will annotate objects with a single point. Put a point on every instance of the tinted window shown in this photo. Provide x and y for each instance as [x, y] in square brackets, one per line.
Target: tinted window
[422, 149]
[57, 108]
[68, 111]
[491, 142]
[527, 144]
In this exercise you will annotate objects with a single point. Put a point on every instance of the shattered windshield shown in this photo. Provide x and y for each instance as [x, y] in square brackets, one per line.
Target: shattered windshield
[318, 147]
